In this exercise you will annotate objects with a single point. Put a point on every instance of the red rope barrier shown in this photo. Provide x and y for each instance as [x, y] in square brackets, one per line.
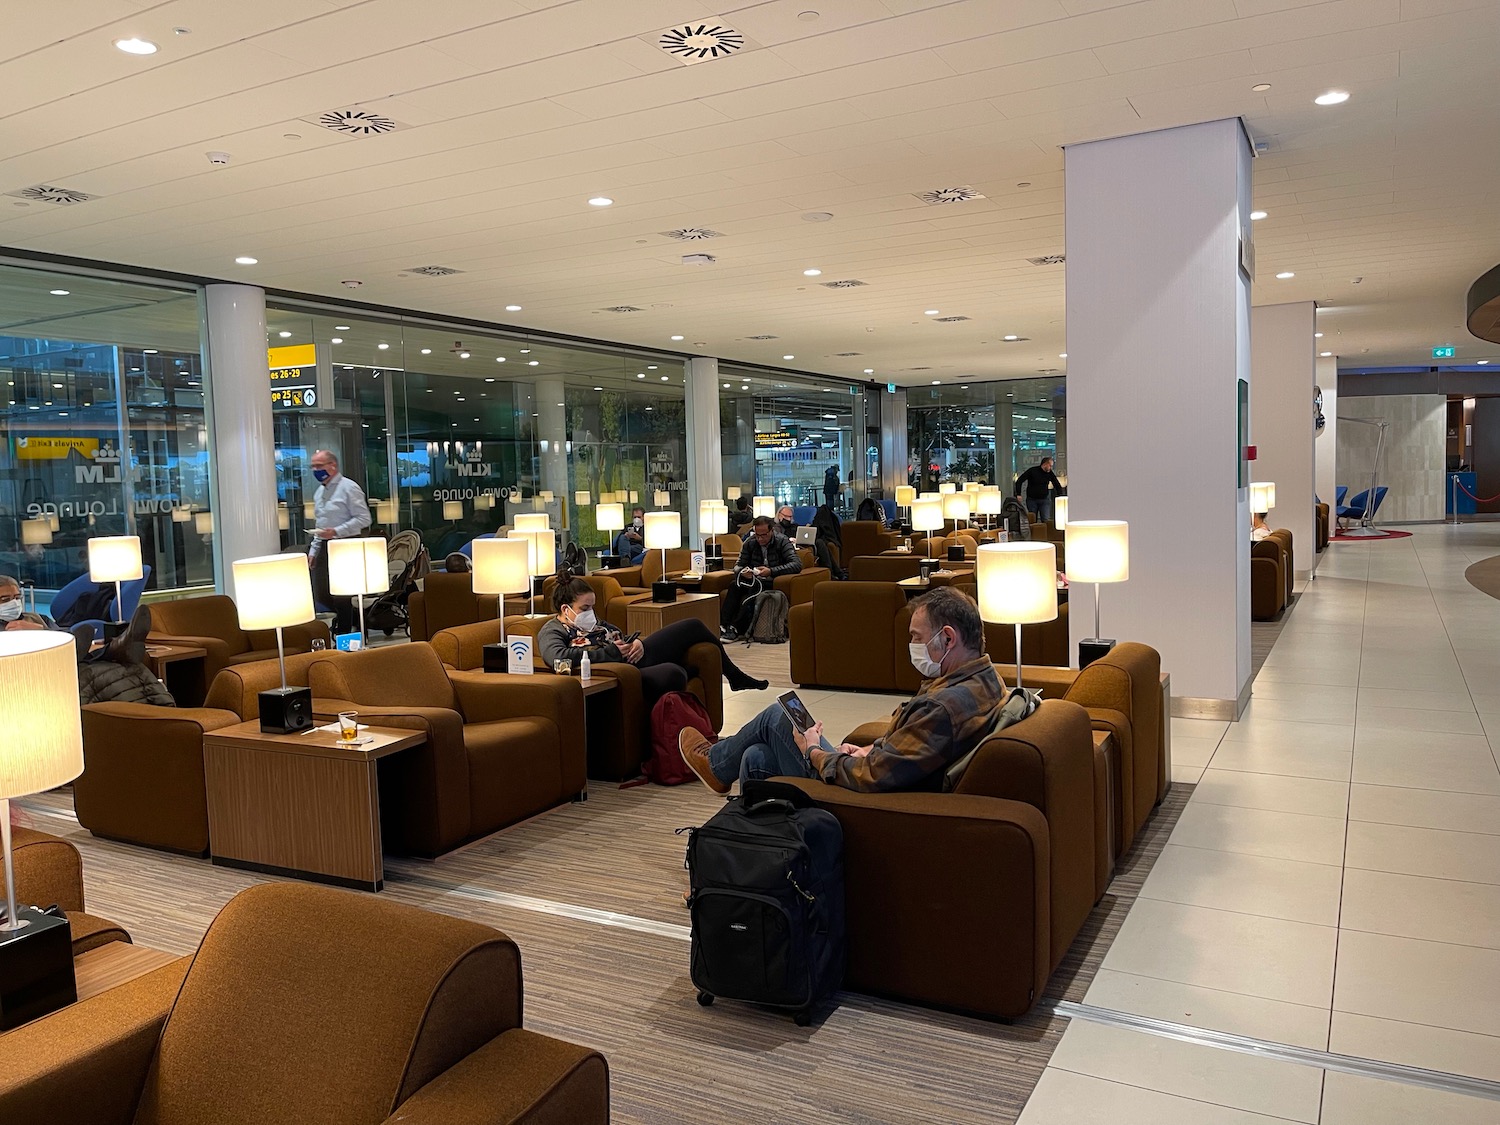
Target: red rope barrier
[1477, 499]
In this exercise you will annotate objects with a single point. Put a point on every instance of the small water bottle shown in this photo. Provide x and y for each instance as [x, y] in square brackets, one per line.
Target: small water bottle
[907, 543]
[583, 668]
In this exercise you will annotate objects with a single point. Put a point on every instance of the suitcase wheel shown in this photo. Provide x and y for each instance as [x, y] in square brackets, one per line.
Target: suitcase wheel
[803, 1018]
[705, 998]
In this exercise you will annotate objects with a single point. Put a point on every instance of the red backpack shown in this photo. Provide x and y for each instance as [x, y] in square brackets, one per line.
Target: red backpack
[672, 713]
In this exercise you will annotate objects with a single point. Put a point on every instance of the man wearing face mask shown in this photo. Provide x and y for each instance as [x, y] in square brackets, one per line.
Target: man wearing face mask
[630, 544]
[952, 712]
[765, 557]
[339, 512]
[12, 608]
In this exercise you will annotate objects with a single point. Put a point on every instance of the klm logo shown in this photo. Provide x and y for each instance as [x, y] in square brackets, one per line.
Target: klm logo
[104, 470]
[473, 466]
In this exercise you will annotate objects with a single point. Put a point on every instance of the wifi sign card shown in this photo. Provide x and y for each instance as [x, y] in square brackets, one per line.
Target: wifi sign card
[519, 649]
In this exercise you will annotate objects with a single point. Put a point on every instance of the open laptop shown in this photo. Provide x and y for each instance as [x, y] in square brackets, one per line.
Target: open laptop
[807, 536]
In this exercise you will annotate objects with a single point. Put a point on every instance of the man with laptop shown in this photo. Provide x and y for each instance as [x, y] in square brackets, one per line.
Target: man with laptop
[809, 537]
[952, 712]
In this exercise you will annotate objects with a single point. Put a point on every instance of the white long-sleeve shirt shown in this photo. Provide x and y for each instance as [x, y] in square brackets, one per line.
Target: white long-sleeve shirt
[341, 505]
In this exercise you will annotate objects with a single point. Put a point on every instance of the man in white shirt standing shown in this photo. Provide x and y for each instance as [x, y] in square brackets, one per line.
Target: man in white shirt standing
[339, 511]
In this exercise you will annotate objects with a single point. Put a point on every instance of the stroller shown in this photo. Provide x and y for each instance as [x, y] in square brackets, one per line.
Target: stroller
[408, 561]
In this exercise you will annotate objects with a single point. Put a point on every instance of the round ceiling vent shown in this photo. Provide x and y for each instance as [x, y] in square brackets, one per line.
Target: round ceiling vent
[357, 122]
[695, 42]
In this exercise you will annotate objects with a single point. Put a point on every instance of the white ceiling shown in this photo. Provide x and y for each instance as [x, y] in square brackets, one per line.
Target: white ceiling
[515, 112]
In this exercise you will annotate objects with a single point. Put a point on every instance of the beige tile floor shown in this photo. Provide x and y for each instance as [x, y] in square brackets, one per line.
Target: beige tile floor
[1334, 883]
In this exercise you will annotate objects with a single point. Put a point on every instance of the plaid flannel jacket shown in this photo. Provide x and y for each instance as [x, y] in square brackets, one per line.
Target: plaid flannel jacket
[947, 718]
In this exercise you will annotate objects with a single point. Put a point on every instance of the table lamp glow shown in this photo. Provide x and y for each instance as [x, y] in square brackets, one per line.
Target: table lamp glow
[203, 523]
[115, 558]
[541, 555]
[273, 592]
[532, 521]
[663, 533]
[732, 492]
[661, 498]
[1262, 496]
[947, 486]
[453, 510]
[35, 532]
[905, 496]
[713, 519]
[1060, 513]
[1098, 552]
[385, 512]
[927, 516]
[582, 499]
[1017, 586]
[357, 567]
[990, 505]
[501, 566]
[610, 519]
[763, 506]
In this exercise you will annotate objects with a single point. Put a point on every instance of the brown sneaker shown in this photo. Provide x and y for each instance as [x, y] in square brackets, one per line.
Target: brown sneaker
[694, 749]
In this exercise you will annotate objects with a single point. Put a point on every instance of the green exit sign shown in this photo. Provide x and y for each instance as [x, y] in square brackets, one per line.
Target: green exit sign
[1442, 353]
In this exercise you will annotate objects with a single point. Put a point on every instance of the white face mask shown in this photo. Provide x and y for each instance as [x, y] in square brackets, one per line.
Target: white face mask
[921, 658]
[11, 611]
[584, 619]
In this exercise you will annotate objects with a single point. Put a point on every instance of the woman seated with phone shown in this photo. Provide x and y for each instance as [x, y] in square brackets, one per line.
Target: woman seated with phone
[660, 657]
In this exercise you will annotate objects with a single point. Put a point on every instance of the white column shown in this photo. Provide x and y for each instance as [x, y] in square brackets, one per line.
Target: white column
[552, 414]
[894, 441]
[1281, 419]
[704, 449]
[1327, 443]
[1158, 314]
[244, 446]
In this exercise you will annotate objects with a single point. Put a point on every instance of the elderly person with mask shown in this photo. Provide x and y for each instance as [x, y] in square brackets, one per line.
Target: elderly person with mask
[340, 511]
[13, 613]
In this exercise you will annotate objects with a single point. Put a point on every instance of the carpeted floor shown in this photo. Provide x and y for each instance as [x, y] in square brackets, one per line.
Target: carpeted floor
[1485, 576]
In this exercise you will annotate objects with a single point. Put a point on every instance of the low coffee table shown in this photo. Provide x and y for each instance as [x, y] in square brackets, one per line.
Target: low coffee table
[647, 617]
[299, 804]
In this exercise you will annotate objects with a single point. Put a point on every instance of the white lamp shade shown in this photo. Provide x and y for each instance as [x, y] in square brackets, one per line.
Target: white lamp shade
[927, 515]
[663, 531]
[1262, 496]
[532, 521]
[972, 487]
[609, 517]
[905, 494]
[956, 506]
[283, 520]
[713, 517]
[763, 506]
[990, 503]
[541, 549]
[273, 591]
[635, 497]
[582, 499]
[661, 499]
[115, 558]
[43, 743]
[203, 523]
[53, 522]
[453, 509]
[35, 532]
[1017, 582]
[385, 511]
[484, 500]
[547, 497]
[733, 492]
[182, 515]
[501, 566]
[948, 486]
[358, 566]
[1098, 551]
[1060, 513]
[309, 510]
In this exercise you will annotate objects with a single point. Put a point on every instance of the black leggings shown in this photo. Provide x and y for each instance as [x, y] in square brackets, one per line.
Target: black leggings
[668, 647]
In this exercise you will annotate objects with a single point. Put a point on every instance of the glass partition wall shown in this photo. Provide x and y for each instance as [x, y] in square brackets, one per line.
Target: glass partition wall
[987, 432]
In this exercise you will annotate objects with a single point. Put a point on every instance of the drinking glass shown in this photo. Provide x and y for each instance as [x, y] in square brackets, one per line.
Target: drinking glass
[319, 644]
[348, 726]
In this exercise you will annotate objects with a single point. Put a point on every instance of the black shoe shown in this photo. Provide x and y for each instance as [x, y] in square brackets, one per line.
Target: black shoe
[728, 633]
[746, 683]
[130, 646]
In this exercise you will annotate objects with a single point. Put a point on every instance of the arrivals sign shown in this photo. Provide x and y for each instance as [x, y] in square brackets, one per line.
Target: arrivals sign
[54, 448]
[294, 376]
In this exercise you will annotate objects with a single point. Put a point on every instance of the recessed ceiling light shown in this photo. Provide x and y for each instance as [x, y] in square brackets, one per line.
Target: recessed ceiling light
[1260, 87]
[726, 386]
[935, 382]
[148, 351]
[1012, 337]
[664, 378]
[601, 388]
[499, 359]
[1062, 355]
[746, 387]
[426, 351]
[1333, 97]
[1481, 362]
[336, 340]
[1325, 355]
[1284, 274]
[1257, 216]
[600, 201]
[650, 367]
[869, 371]
[930, 312]
[136, 46]
[245, 260]
[676, 337]
[463, 355]
[512, 308]
[59, 386]
[812, 273]
[534, 363]
[382, 347]
[489, 379]
[1317, 335]
[640, 374]
[284, 335]
[788, 357]
[60, 292]
[341, 328]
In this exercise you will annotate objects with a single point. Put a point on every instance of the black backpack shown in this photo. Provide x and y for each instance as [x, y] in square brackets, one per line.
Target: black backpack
[1016, 520]
[767, 902]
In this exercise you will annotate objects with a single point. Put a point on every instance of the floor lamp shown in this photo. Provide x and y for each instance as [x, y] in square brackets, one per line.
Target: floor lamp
[357, 567]
[1017, 586]
[501, 566]
[1366, 527]
[1098, 552]
[42, 749]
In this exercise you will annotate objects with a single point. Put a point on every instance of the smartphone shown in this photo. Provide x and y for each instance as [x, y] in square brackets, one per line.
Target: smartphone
[796, 710]
[633, 637]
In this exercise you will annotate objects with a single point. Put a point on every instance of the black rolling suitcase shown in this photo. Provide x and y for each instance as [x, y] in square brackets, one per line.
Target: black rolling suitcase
[767, 876]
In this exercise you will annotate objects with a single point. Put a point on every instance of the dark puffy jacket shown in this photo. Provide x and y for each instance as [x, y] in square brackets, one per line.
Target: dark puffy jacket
[778, 554]
[104, 681]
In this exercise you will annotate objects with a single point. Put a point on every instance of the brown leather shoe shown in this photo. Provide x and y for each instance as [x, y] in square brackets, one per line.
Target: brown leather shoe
[695, 749]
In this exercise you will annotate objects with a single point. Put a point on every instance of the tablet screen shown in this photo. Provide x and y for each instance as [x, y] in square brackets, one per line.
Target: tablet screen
[796, 710]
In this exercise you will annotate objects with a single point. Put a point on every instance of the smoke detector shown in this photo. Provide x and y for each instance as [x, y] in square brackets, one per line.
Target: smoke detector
[351, 284]
[939, 197]
[698, 259]
[218, 158]
[47, 193]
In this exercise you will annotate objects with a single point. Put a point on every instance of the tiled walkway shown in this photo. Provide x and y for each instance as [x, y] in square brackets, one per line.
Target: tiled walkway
[1334, 883]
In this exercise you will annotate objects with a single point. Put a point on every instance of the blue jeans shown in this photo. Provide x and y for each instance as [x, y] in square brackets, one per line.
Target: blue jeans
[764, 747]
[1042, 508]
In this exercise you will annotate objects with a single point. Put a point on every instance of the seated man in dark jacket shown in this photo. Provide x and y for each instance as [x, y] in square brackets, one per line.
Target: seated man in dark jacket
[765, 557]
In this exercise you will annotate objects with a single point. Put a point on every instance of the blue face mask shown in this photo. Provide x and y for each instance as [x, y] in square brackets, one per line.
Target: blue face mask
[321, 475]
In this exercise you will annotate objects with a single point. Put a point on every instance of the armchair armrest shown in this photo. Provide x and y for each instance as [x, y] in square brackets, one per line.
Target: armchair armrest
[216, 647]
[626, 576]
[518, 1076]
[555, 698]
[85, 1064]
[1054, 683]
[716, 582]
[866, 733]
[798, 587]
[48, 869]
[206, 718]
[299, 638]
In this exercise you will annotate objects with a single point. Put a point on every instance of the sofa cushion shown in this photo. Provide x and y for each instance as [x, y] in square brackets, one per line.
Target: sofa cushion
[408, 675]
[212, 616]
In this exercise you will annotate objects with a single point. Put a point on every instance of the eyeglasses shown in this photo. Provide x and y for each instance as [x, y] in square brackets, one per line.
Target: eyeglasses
[6, 599]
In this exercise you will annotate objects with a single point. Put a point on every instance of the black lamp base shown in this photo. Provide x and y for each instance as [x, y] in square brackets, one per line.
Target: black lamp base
[663, 591]
[609, 562]
[36, 967]
[956, 552]
[713, 557]
[285, 710]
[497, 657]
[1091, 649]
[113, 629]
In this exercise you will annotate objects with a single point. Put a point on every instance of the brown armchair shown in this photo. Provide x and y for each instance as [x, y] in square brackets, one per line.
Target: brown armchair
[142, 779]
[212, 623]
[884, 568]
[309, 1004]
[610, 598]
[1283, 536]
[1268, 567]
[1005, 867]
[446, 600]
[499, 748]
[1320, 523]
[49, 871]
[1122, 693]
[864, 537]
[797, 587]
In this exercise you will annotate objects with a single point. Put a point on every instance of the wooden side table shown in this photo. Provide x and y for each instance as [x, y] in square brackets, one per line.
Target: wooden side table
[180, 667]
[299, 804]
[647, 617]
[107, 966]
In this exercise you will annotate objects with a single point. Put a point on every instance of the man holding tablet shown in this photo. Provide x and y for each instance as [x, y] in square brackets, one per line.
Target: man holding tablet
[952, 712]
